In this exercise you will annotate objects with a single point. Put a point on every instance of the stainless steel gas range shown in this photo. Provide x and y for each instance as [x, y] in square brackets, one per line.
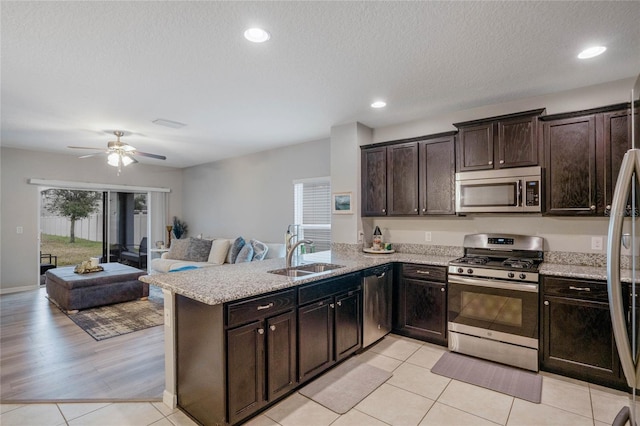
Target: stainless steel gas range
[493, 299]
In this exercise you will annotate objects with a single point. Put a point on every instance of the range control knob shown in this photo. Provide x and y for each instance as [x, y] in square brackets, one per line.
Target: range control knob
[511, 275]
[523, 276]
[469, 271]
[460, 270]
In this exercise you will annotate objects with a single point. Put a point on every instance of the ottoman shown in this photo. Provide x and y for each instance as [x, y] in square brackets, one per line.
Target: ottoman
[117, 283]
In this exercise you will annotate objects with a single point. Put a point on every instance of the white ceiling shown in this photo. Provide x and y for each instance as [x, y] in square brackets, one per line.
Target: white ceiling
[72, 72]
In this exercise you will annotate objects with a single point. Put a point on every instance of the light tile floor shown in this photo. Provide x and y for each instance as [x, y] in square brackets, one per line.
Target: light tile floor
[413, 396]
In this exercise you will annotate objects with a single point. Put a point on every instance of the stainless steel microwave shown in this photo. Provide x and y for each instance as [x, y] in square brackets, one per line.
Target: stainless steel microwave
[517, 190]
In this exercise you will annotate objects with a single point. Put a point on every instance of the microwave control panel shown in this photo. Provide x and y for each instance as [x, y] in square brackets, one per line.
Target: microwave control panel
[532, 193]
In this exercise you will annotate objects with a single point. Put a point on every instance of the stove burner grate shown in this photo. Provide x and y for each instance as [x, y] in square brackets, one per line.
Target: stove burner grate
[474, 260]
[513, 262]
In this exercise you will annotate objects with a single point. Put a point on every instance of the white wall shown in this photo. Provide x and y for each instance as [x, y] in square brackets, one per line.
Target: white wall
[561, 234]
[250, 196]
[19, 258]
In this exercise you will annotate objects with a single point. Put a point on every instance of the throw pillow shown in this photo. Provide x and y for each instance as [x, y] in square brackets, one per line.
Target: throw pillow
[235, 248]
[178, 249]
[260, 249]
[219, 251]
[245, 254]
[198, 250]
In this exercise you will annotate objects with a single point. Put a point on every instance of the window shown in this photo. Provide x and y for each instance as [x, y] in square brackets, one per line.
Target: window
[312, 211]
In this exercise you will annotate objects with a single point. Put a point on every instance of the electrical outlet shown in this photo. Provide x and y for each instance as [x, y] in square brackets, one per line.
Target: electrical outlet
[19, 229]
[596, 243]
[427, 236]
[360, 236]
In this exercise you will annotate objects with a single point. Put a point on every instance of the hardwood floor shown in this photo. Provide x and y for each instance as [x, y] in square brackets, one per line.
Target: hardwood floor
[44, 356]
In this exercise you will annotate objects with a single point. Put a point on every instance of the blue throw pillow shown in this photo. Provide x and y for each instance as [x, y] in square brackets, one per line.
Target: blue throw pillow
[245, 255]
[235, 249]
[260, 249]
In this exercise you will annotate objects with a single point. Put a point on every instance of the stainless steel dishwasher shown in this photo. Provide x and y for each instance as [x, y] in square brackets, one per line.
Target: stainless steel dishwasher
[377, 289]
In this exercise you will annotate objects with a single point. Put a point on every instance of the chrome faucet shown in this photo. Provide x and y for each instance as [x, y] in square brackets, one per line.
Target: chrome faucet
[292, 248]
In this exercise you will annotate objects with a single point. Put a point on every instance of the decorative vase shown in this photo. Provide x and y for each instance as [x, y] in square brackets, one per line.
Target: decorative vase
[169, 229]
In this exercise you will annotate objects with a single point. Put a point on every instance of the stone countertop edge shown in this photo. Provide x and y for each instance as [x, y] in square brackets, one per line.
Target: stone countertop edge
[583, 272]
[230, 282]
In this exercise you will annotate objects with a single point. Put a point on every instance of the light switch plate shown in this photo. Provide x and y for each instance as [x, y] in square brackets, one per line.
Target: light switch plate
[596, 243]
[427, 236]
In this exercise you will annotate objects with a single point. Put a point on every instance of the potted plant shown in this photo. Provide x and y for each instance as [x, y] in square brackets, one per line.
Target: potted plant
[179, 228]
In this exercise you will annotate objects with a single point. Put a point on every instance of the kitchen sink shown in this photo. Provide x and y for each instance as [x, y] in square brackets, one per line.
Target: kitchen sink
[306, 270]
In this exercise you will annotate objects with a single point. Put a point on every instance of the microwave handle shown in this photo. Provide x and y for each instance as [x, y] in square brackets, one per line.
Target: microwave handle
[519, 193]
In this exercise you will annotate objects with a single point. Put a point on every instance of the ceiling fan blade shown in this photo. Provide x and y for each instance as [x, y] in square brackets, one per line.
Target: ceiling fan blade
[85, 147]
[92, 155]
[146, 154]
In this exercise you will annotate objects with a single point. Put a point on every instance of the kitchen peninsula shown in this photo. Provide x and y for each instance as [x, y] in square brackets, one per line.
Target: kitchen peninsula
[215, 322]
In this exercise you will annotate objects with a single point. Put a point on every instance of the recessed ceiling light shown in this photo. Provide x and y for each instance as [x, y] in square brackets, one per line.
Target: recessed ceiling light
[379, 104]
[257, 35]
[592, 52]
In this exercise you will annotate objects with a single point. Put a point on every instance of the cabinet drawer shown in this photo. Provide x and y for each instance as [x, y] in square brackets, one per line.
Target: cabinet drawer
[329, 287]
[424, 272]
[576, 289]
[260, 307]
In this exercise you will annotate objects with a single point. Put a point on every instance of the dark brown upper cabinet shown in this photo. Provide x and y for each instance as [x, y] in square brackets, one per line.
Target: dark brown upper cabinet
[409, 177]
[499, 142]
[583, 153]
[402, 179]
[437, 183]
[374, 181]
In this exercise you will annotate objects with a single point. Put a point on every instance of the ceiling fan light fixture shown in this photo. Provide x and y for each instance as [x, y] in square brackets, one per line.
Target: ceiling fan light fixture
[113, 159]
[126, 160]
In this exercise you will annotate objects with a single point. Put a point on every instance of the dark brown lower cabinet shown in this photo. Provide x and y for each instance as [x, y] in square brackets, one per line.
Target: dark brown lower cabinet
[330, 326]
[576, 334]
[421, 308]
[262, 359]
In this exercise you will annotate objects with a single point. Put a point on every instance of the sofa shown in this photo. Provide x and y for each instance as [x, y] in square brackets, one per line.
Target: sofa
[194, 253]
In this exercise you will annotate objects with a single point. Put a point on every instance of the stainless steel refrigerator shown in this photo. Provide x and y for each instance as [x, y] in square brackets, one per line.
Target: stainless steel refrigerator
[623, 232]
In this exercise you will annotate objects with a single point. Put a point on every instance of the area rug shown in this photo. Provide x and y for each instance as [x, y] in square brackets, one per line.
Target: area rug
[114, 320]
[500, 378]
[342, 388]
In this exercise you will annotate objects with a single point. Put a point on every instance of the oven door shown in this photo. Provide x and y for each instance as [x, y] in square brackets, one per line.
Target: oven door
[495, 309]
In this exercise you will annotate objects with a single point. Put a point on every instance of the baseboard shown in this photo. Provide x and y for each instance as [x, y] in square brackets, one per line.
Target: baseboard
[170, 399]
[18, 289]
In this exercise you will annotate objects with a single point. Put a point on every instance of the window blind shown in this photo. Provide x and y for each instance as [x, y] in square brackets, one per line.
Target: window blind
[312, 211]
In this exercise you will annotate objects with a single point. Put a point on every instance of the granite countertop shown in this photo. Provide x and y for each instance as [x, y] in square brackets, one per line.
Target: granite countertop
[583, 272]
[225, 283]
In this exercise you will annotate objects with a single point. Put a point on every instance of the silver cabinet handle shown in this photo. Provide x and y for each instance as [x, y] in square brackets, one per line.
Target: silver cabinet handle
[579, 288]
[382, 275]
[490, 162]
[608, 206]
[384, 210]
[339, 303]
[272, 327]
[415, 210]
[546, 303]
[261, 307]
[261, 331]
[593, 207]
[501, 161]
[423, 272]
[442, 289]
[332, 305]
[424, 210]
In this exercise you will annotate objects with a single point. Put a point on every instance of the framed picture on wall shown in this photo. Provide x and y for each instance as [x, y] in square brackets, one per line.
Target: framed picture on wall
[341, 203]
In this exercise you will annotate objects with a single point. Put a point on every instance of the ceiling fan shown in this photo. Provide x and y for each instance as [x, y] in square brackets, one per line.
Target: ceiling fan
[119, 153]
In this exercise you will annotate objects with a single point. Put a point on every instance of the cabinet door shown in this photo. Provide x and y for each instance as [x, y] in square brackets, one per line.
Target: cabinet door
[475, 148]
[423, 310]
[437, 176]
[616, 142]
[348, 311]
[374, 181]
[578, 340]
[571, 166]
[315, 338]
[517, 142]
[402, 179]
[245, 359]
[281, 355]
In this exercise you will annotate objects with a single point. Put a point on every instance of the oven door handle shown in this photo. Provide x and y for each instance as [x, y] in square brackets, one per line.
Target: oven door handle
[515, 286]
